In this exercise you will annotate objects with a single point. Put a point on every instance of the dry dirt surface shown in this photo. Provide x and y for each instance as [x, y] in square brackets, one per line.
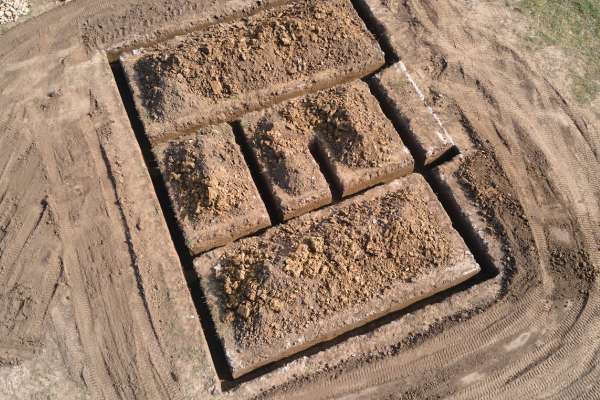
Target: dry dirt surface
[211, 189]
[402, 94]
[330, 271]
[345, 128]
[99, 299]
[228, 69]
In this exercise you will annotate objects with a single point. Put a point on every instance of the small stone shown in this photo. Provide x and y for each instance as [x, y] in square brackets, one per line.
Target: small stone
[276, 305]
[244, 310]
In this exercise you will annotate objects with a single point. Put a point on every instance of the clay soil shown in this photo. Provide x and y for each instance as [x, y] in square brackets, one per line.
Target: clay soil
[297, 47]
[212, 192]
[95, 301]
[329, 271]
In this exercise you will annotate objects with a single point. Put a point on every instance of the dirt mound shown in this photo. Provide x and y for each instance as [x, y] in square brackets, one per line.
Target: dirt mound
[195, 188]
[327, 272]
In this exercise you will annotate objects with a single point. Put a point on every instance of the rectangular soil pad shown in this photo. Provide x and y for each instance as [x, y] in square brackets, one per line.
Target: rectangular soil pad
[211, 189]
[459, 181]
[281, 152]
[235, 67]
[407, 103]
[357, 144]
[331, 271]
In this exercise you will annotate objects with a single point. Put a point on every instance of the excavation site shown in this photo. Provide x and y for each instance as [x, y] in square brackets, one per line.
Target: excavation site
[299, 199]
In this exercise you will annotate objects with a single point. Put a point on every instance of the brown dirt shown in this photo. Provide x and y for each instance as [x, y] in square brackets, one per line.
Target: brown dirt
[429, 138]
[347, 119]
[93, 307]
[288, 44]
[338, 262]
[322, 269]
[285, 156]
[198, 186]
[284, 159]
[488, 186]
[518, 114]
[211, 189]
[211, 63]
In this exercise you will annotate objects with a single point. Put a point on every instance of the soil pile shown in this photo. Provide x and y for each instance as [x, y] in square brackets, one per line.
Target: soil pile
[197, 186]
[346, 119]
[212, 193]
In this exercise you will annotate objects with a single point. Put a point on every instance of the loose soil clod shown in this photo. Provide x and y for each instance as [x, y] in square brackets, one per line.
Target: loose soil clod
[211, 189]
[402, 96]
[232, 68]
[330, 271]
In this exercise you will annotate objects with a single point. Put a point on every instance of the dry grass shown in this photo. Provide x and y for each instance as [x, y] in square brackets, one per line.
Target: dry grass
[573, 25]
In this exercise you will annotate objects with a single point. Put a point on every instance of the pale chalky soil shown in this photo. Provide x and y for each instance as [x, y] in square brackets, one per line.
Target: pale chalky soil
[11, 10]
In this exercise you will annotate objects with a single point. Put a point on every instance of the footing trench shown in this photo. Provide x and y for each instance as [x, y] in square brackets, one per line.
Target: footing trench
[294, 199]
[285, 147]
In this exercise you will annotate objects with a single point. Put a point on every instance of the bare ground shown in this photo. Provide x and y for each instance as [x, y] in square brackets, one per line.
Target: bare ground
[92, 307]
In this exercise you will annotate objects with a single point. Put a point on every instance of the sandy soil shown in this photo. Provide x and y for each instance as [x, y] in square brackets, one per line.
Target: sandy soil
[93, 298]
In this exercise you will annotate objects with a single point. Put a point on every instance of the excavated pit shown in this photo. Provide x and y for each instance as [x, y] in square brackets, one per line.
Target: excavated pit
[235, 134]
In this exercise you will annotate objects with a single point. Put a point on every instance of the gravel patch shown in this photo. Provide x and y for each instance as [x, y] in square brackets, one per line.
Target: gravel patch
[11, 10]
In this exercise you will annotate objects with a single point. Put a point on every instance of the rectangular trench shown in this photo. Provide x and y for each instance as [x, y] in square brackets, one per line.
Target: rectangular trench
[461, 225]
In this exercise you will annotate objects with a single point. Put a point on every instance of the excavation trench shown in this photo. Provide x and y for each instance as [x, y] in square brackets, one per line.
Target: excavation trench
[203, 303]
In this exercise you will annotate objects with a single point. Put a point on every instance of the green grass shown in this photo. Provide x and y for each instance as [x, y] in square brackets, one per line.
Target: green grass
[573, 25]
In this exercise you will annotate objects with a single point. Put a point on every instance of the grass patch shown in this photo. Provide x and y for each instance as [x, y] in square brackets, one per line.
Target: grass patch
[575, 26]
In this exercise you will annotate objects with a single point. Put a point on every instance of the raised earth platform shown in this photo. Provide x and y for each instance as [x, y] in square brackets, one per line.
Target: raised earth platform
[250, 139]
[218, 74]
[331, 271]
[276, 199]
[211, 189]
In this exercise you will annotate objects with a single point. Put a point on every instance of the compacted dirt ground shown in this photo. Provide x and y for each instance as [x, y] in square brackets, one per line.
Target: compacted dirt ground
[367, 199]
